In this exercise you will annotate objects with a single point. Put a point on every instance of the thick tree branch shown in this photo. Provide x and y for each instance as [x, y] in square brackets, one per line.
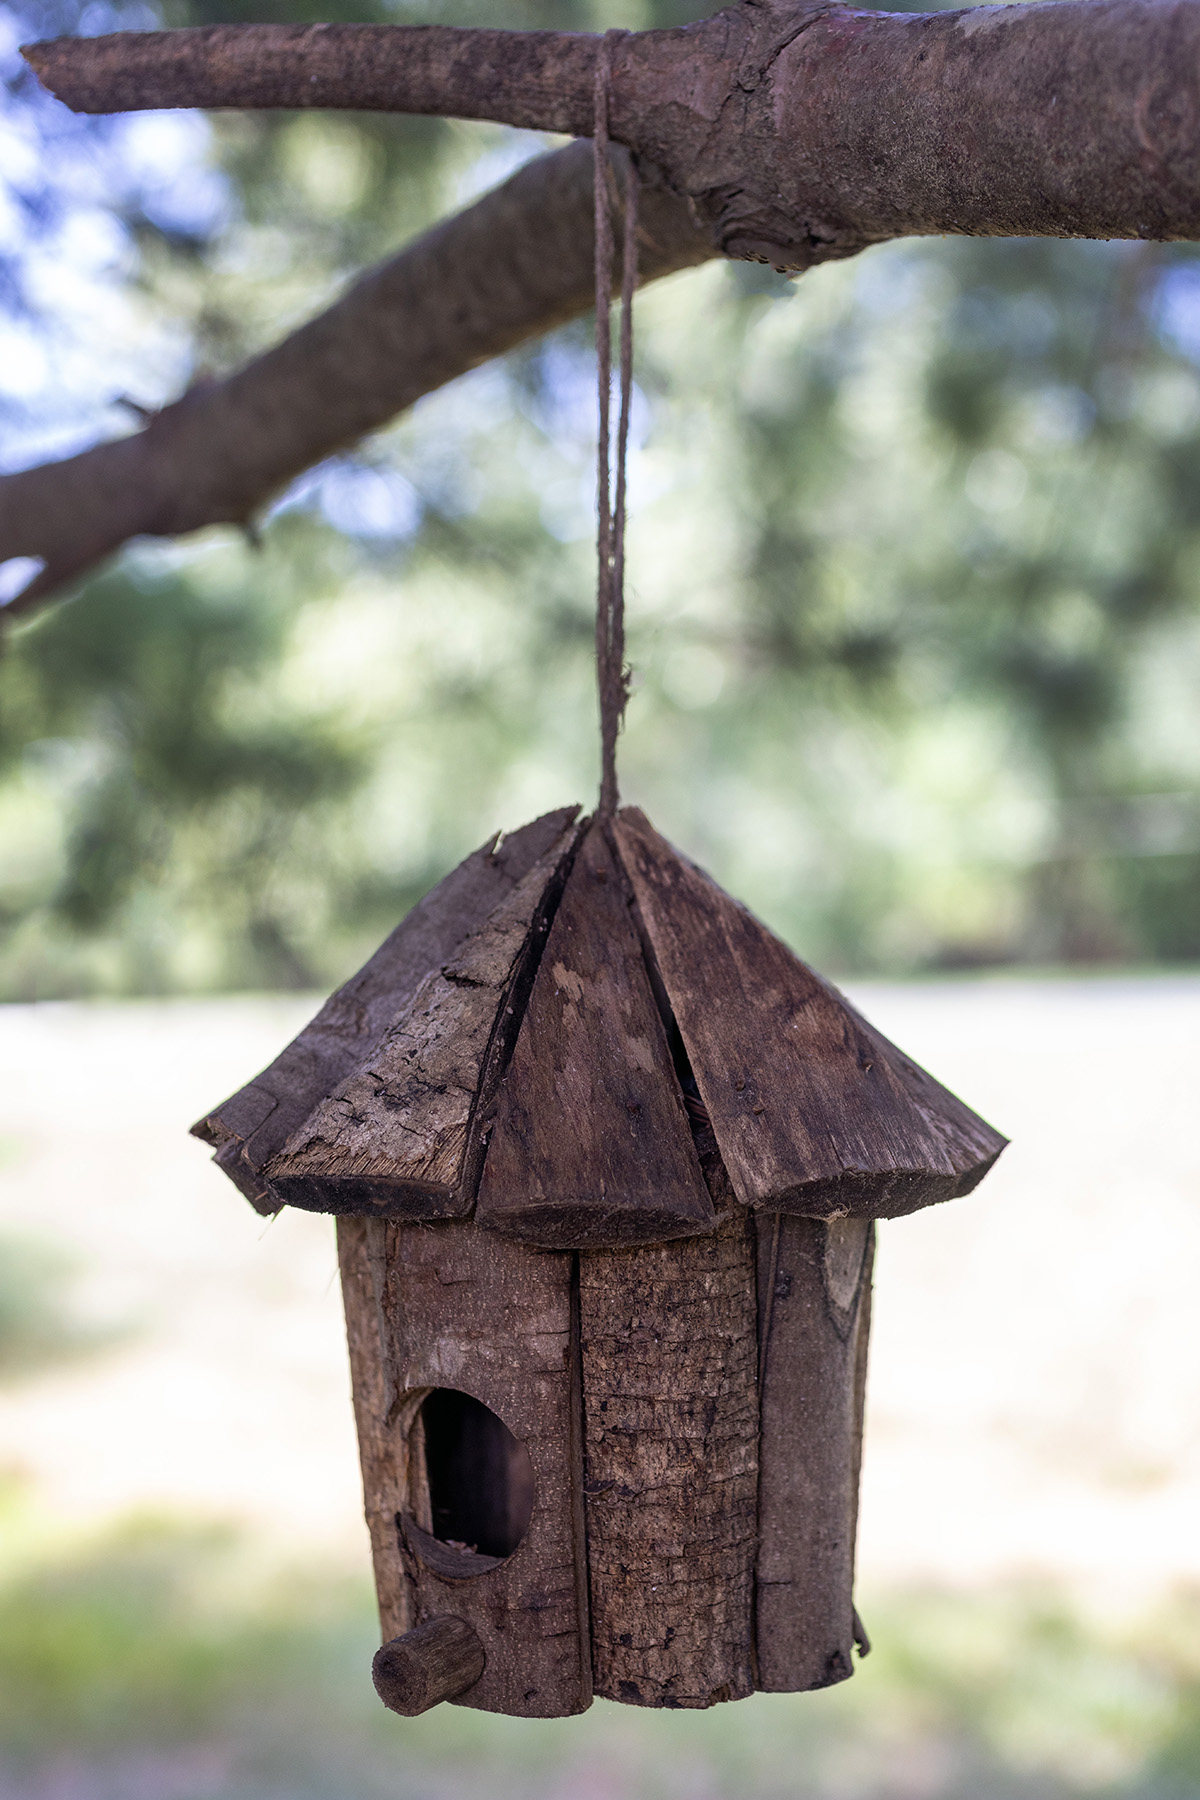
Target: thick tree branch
[779, 131]
[801, 126]
[509, 268]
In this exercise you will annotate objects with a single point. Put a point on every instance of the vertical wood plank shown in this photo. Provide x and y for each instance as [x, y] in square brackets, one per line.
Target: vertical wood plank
[671, 1436]
[465, 1309]
[380, 1449]
[814, 1317]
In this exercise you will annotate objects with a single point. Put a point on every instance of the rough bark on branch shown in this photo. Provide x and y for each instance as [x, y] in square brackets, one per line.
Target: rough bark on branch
[805, 126]
[509, 268]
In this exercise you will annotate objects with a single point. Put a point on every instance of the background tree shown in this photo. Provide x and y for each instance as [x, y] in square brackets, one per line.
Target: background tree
[913, 592]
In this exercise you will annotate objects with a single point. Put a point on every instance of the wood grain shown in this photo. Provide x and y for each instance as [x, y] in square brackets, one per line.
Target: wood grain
[251, 1126]
[436, 1661]
[814, 1294]
[814, 1110]
[395, 1137]
[381, 1450]
[671, 1434]
[464, 1309]
[591, 1143]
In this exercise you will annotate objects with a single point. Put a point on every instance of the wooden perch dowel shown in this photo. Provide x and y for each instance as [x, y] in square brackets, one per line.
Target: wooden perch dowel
[436, 1661]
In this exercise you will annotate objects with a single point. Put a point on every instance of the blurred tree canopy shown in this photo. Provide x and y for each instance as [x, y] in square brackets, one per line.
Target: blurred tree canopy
[914, 571]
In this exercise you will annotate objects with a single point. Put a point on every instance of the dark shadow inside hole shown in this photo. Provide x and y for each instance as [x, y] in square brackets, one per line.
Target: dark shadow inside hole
[480, 1477]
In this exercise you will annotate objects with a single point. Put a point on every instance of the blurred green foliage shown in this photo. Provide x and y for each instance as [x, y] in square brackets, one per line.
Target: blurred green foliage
[913, 592]
[170, 1660]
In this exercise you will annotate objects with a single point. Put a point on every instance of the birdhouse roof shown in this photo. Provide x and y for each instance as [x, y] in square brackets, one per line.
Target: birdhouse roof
[568, 1036]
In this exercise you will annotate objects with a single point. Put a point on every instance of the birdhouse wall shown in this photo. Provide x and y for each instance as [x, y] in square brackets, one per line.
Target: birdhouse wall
[671, 1465]
[814, 1285]
[449, 1307]
[701, 1399]
[381, 1452]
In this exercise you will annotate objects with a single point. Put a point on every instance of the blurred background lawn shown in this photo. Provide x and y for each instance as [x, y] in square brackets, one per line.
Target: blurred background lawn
[915, 615]
[185, 1604]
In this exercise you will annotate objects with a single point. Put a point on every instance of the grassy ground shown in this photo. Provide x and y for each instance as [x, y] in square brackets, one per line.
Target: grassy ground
[169, 1662]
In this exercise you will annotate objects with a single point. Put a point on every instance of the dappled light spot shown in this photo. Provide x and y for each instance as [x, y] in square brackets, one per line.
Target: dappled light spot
[16, 575]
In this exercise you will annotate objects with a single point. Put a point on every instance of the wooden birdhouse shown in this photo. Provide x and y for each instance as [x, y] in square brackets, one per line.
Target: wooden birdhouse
[605, 1158]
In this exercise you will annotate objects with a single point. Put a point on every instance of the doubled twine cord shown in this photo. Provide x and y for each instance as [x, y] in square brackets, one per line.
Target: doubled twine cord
[612, 676]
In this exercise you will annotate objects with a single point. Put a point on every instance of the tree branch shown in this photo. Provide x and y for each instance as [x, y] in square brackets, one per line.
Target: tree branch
[803, 126]
[459, 73]
[777, 131]
[511, 267]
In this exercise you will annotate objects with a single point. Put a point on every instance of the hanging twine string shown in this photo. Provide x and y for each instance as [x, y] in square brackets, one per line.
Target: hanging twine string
[611, 674]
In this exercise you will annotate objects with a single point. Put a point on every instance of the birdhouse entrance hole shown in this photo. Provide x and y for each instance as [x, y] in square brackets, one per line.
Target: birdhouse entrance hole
[471, 1483]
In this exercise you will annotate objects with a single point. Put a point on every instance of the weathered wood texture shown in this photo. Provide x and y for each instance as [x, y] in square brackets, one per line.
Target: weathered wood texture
[467, 1310]
[436, 1661]
[395, 1137]
[361, 1251]
[813, 1109]
[254, 1124]
[671, 1465]
[591, 1143]
[814, 1296]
